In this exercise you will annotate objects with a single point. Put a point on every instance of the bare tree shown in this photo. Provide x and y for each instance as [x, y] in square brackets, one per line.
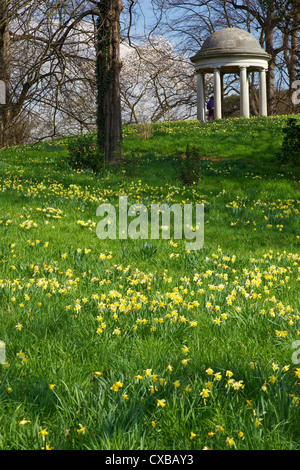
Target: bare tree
[34, 38]
[157, 83]
[39, 33]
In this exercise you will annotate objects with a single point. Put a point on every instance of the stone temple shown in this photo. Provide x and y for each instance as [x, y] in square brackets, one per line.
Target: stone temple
[231, 50]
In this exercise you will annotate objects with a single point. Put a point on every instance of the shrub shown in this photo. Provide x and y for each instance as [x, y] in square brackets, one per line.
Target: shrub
[147, 250]
[83, 153]
[145, 130]
[290, 150]
[189, 166]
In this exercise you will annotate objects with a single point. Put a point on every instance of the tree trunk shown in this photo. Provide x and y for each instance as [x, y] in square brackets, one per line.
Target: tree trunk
[108, 66]
[5, 132]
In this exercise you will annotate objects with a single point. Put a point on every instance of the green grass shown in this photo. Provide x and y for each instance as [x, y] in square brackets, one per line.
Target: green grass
[252, 139]
[80, 315]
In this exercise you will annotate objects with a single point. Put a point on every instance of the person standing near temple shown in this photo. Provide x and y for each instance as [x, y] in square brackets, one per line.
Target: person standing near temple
[211, 108]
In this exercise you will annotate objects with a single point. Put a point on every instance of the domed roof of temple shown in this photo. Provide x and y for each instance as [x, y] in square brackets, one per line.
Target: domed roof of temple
[230, 41]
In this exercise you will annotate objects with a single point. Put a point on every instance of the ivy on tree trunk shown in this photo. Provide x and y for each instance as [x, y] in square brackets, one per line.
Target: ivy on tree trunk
[5, 72]
[108, 67]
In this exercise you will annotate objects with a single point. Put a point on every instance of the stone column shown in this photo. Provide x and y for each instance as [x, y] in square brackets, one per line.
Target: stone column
[244, 93]
[222, 94]
[201, 97]
[263, 109]
[217, 93]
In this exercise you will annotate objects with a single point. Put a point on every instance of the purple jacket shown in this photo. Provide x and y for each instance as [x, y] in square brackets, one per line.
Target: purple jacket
[211, 105]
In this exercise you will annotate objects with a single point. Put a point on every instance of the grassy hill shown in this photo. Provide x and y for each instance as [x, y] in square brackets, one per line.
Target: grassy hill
[143, 344]
[239, 139]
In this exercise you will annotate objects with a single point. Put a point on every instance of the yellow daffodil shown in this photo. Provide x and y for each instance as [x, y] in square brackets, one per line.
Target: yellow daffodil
[161, 403]
[81, 429]
[23, 422]
[43, 432]
[230, 442]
